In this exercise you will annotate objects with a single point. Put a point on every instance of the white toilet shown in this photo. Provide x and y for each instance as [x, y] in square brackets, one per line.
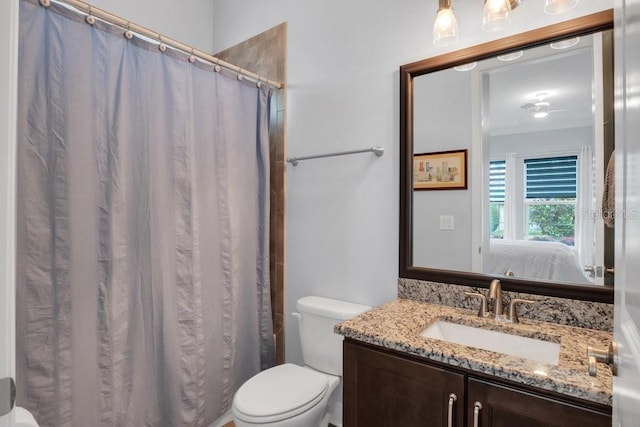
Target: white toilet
[294, 396]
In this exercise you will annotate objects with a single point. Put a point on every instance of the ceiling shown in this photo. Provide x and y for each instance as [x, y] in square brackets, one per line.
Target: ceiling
[566, 76]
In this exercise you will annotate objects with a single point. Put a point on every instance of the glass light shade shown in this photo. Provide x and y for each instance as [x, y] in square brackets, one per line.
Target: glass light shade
[553, 7]
[542, 109]
[565, 44]
[466, 67]
[496, 15]
[511, 56]
[445, 29]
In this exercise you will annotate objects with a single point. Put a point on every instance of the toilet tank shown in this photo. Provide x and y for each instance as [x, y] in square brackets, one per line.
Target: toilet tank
[321, 347]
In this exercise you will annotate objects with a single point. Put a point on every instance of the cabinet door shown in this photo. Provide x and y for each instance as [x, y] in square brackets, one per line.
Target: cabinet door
[506, 407]
[381, 389]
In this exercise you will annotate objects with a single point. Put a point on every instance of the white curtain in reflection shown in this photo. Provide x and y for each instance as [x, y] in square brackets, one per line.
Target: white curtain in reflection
[585, 208]
[510, 196]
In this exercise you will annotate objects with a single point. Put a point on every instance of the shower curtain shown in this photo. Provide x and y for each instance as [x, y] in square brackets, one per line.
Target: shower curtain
[143, 272]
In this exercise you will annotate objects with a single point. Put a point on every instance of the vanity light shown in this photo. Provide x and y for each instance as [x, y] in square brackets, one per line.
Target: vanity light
[565, 44]
[496, 15]
[466, 67]
[511, 56]
[553, 7]
[445, 29]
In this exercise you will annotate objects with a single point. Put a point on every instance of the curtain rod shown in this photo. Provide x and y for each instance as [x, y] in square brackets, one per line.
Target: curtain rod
[130, 26]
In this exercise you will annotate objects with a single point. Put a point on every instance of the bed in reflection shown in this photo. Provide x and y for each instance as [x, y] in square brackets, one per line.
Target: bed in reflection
[532, 259]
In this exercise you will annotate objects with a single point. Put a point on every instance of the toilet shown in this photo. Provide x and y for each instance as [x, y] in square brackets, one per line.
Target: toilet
[301, 396]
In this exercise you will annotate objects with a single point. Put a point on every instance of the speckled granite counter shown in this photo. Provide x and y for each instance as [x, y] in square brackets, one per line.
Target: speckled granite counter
[397, 326]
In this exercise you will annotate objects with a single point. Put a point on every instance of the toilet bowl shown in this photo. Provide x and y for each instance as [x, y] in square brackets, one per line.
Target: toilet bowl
[24, 418]
[285, 396]
[301, 396]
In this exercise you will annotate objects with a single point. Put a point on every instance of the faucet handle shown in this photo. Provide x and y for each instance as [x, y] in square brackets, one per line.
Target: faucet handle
[483, 311]
[513, 309]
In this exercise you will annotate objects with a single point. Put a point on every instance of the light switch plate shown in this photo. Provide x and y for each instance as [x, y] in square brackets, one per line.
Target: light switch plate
[446, 222]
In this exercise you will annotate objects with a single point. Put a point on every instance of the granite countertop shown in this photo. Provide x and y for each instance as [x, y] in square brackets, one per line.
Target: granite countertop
[397, 325]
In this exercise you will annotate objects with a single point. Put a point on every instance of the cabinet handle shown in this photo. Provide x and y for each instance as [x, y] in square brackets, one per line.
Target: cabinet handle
[452, 399]
[476, 414]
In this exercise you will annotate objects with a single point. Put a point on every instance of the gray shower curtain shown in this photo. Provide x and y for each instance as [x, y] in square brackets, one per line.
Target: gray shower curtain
[143, 290]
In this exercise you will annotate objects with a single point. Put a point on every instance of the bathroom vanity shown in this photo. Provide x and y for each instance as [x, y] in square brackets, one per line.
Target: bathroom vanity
[395, 374]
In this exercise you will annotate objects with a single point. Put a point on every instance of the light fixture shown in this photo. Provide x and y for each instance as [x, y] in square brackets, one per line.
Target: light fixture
[445, 29]
[496, 15]
[511, 56]
[540, 109]
[565, 44]
[466, 67]
[553, 7]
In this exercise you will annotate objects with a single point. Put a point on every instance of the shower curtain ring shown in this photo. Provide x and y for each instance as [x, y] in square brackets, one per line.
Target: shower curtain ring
[217, 68]
[45, 3]
[240, 76]
[90, 19]
[259, 83]
[128, 34]
[162, 47]
[192, 57]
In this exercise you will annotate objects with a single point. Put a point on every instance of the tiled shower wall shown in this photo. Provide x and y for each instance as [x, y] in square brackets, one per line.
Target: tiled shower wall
[265, 55]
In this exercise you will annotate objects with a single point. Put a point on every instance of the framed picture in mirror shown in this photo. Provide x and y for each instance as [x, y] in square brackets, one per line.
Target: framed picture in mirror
[443, 170]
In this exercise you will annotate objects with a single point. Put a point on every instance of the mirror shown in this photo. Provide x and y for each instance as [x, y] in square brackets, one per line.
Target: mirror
[517, 133]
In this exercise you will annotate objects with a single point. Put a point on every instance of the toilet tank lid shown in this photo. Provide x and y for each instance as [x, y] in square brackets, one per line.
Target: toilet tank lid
[331, 308]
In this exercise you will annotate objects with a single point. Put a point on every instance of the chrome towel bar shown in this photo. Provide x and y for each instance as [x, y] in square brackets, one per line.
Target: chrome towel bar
[378, 151]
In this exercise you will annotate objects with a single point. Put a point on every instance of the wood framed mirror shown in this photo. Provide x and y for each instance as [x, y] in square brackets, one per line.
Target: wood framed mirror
[413, 142]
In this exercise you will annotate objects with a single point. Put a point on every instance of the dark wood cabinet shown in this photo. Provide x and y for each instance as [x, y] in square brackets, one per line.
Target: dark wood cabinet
[504, 406]
[383, 388]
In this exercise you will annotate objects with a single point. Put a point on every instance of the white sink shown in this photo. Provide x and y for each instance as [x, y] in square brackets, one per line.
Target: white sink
[499, 342]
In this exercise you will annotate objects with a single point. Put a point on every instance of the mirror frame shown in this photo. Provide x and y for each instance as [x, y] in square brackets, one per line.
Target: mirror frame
[575, 27]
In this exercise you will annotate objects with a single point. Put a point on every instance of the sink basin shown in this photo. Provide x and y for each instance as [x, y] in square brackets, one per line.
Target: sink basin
[499, 342]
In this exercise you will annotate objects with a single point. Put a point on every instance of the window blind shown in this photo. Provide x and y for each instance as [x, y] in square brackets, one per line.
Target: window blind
[551, 177]
[496, 181]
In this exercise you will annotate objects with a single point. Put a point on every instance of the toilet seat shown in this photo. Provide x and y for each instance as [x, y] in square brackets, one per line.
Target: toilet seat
[279, 393]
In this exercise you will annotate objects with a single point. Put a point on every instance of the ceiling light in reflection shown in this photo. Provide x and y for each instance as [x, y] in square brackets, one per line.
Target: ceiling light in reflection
[565, 44]
[465, 67]
[511, 56]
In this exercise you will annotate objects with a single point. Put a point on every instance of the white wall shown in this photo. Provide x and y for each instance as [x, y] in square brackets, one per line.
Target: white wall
[343, 57]
[188, 21]
[442, 122]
